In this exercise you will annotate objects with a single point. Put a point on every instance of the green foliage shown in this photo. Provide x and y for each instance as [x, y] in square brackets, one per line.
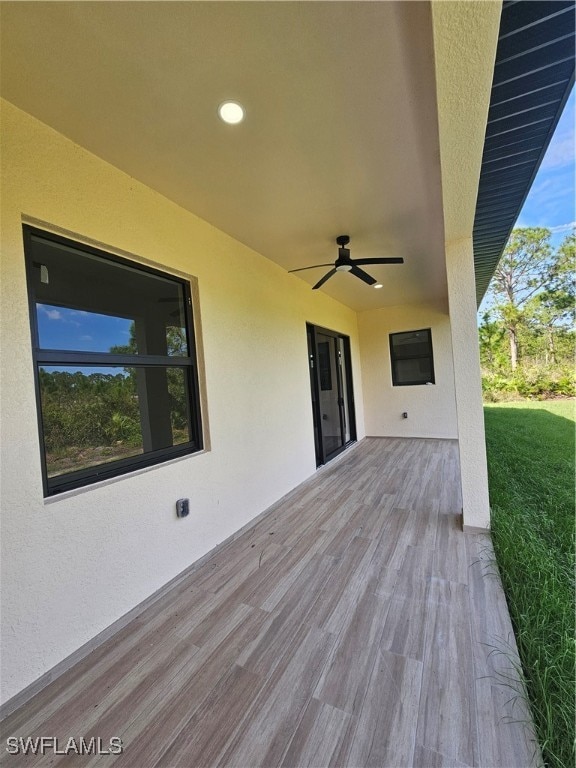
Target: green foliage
[176, 345]
[525, 267]
[492, 337]
[91, 417]
[123, 429]
[97, 410]
[531, 474]
[178, 402]
[529, 381]
[81, 410]
[527, 341]
[561, 288]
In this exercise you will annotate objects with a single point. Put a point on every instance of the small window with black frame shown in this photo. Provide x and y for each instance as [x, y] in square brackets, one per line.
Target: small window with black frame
[115, 362]
[411, 357]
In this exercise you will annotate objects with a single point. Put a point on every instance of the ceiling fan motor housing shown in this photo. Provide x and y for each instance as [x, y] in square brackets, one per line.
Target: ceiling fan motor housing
[343, 263]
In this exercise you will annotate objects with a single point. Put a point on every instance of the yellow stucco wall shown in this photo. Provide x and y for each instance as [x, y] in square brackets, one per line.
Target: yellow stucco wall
[431, 409]
[73, 565]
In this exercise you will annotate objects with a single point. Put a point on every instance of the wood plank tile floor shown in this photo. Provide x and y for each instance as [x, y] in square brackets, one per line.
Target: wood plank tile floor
[353, 625]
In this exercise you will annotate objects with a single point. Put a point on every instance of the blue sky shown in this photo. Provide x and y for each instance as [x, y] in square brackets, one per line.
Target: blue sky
[550, 202]
[61, 328]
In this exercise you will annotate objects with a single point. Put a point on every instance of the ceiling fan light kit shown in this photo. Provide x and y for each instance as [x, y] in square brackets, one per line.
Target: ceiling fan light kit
[345, 264]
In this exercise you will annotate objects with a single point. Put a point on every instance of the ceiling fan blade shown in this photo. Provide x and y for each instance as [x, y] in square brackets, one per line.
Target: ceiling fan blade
[385, 260]
[314, 266]
[327, 276]
[362, 275]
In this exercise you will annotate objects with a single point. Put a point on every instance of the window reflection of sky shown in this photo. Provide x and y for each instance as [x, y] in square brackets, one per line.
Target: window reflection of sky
[72, 329]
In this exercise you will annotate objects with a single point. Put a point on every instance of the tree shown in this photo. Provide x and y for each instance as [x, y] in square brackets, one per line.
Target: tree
[552, 311]
[491, 335]
[527, 338]
[526, 268]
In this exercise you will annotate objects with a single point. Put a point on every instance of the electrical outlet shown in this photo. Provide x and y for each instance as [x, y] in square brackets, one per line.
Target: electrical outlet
[182, 507]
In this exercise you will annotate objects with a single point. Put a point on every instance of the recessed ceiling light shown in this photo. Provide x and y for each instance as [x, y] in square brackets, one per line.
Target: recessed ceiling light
[231, 112]
[378, 285]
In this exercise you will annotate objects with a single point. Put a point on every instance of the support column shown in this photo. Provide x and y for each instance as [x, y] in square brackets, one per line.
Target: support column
[468, 384]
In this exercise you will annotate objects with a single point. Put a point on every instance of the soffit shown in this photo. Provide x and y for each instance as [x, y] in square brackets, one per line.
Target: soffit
[533, 77]
[340, 135]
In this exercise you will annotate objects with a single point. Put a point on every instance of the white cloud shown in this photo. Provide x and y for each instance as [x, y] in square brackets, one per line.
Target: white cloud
[561, 150]
[564, 227]
[560, 153]
[550, 200]
[51, 314]
[541, 187]
[86, 338]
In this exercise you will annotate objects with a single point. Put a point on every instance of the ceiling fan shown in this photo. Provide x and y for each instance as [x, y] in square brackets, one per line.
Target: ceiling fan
[345, 264]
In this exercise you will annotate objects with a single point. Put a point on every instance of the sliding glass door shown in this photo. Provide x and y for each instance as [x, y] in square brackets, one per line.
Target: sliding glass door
[331, 387]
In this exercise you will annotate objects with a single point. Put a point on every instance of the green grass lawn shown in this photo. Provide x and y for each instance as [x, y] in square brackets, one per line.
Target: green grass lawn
[531, 473]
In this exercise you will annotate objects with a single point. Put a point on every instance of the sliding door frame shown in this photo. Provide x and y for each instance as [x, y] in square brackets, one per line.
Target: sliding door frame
[345, 386]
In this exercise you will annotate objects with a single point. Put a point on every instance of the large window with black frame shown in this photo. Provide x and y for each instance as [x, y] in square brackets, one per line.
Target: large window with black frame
[115, 362]
[411, 358]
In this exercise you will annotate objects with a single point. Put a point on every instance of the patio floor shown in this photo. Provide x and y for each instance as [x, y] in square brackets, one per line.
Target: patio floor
[353, 625]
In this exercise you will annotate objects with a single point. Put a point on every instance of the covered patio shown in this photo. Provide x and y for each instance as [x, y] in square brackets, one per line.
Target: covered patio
[303, 613]
[351, 624]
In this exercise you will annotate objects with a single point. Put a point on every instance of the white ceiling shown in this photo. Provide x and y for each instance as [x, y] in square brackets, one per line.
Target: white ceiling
[340, 135]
